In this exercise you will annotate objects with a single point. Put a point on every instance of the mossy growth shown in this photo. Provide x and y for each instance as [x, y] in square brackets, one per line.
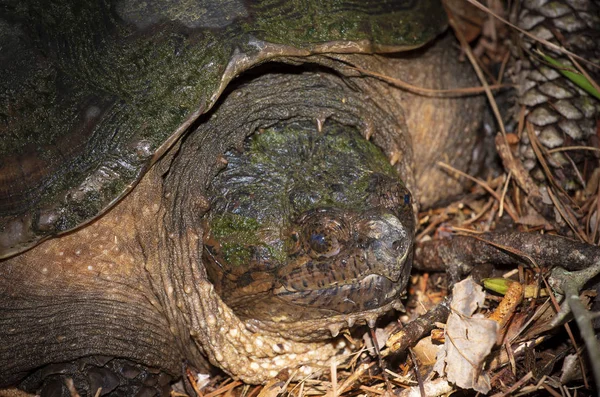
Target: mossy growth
[284, 172]
[241, 239]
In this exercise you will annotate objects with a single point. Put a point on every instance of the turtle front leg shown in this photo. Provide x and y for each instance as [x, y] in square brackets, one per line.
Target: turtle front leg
[82, 307]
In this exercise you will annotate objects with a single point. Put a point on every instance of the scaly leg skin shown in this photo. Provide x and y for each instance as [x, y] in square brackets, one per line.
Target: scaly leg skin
[114, 376]
[87, 300]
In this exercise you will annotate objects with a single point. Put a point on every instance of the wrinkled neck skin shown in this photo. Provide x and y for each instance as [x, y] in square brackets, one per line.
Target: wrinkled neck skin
[256, 349]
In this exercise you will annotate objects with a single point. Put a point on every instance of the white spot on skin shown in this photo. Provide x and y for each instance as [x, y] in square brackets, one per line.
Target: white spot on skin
[258, 342]
[187, 290]
[78, 252]
[273, 374]
[61, 253]
[45, 270]
[90, 267]
[170, 290]
[248, 347]
[233, 332]
[105, 252]
[276, 348]
[211, 320]
[254, 366]
[218, 356]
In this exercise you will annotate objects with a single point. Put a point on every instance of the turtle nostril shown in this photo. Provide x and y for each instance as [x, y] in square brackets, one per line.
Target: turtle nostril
[396, 245]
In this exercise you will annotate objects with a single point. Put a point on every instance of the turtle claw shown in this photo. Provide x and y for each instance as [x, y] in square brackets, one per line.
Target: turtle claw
[371, 320]
[351, 321]
[335, 330]
[397, 305]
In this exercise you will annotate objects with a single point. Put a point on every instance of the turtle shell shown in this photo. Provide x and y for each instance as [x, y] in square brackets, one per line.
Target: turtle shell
[93, 93]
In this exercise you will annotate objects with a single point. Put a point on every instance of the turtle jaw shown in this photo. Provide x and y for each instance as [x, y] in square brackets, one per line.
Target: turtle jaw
[369, 293]
[360, 280]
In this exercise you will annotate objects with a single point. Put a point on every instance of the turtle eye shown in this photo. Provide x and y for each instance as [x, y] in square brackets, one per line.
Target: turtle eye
[324, 233]
[319, 243]
[323, 242]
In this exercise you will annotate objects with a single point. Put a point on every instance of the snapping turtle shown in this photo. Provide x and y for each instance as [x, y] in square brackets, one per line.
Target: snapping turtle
[190, 181]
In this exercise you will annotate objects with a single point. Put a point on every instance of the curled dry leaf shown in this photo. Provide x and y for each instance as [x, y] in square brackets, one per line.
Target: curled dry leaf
[426, 351]
[437, 387]
[469, 339]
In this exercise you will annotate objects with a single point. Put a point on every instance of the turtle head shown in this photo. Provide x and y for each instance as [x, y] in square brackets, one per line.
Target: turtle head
[308, 226]
[345, 262]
